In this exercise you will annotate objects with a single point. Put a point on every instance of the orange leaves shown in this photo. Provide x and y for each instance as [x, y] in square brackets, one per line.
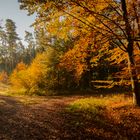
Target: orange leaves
[75, 59]
[17, 78]
[4, 77]
[21, 66]
[96, 28]
[117, 55]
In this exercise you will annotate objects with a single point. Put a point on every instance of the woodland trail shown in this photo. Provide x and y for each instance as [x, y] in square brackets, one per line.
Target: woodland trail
[48, 118]
[31, 121]
[35, 118]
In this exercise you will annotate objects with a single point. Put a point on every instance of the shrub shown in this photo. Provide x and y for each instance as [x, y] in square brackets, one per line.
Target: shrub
[4, 77]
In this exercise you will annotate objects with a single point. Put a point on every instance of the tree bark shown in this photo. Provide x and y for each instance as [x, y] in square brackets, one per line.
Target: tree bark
[130, 51]
[134, 78]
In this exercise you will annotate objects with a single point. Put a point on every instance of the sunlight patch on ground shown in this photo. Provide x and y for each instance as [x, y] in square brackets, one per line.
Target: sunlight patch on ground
[2, 102]
[94, 104]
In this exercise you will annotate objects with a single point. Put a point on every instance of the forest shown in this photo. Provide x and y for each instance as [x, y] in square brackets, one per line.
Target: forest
[79, 70]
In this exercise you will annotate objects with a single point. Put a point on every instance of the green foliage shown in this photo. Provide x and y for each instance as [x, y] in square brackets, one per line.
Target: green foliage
[12, 50]
[88, 105]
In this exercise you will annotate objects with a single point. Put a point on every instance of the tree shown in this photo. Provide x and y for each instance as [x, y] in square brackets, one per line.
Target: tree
[11, 40]
[12, 50]
[31, 50]
[3, 50]
[18, 77]
[110, 22]
[130, 50]
[42, 41]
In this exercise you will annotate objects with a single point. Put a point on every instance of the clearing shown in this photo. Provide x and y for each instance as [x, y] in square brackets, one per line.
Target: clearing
[68, 117]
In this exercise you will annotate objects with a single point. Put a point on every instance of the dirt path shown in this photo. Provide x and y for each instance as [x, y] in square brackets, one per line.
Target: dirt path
[40, 119]
[47, 118]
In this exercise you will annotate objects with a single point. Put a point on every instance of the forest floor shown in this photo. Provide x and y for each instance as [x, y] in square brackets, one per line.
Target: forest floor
[68, 117]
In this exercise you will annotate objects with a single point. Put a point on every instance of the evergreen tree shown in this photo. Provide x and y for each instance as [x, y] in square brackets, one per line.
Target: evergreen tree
[31, 49]
[11, 38]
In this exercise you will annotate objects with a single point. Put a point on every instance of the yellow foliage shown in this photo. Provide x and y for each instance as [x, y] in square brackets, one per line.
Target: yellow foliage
[36, 77]
[17, 78]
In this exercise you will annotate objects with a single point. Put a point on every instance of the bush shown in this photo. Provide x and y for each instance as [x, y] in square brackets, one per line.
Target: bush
[4, 77]
[19, 76]
[42, 75]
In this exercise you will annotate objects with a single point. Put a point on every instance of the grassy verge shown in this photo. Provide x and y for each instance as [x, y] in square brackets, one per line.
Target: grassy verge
[96, 104]
[109, 117]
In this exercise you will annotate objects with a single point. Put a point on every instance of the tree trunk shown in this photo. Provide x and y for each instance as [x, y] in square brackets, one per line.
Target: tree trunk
[133, 76]
[130, 51]
[85, 82]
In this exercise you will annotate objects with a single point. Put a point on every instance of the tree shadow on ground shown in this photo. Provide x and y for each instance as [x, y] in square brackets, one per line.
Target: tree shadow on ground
[43, 121]
[24, 122]
[50, 120]
[121, 123]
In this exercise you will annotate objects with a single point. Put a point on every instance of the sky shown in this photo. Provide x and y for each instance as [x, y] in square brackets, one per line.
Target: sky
[9, 9]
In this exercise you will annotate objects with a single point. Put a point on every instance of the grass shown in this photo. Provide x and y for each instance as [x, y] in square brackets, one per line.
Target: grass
[109, 117]
[20, 95]
[96, 104]
[105, 116]
[26, 100]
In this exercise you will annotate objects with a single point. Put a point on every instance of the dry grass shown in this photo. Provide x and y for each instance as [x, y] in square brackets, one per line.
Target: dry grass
[95, 103]
[109, 117]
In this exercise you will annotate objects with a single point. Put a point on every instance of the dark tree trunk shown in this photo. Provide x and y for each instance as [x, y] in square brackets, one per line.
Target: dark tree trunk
[134, 77]
[86, 79]
[130, 51]
[87, 76]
